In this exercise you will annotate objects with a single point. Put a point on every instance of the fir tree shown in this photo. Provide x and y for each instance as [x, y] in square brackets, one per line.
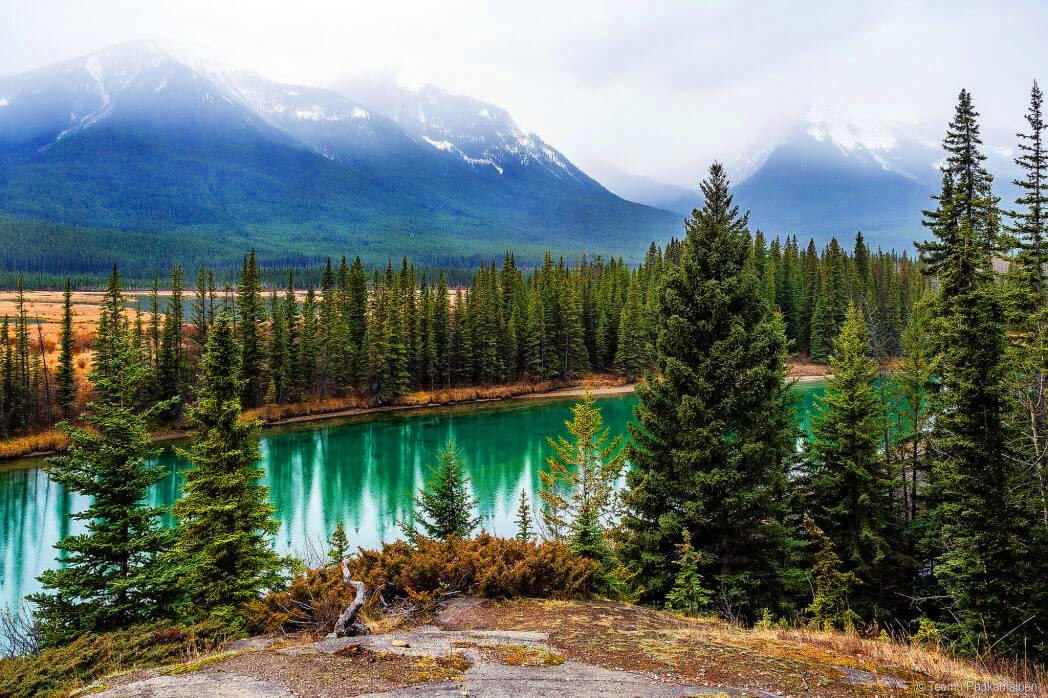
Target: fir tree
[580, 476]
[714, 432]
[633, 358]
[830, 606]
[65, 378]
[112, 575]
[688, 594]
[339, 545]
[444, 507]
[225, 518]
[523, 520]
[251, 315]
[849, 490]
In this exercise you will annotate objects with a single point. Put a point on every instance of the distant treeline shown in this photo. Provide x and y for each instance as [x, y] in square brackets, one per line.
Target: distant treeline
[383, 333]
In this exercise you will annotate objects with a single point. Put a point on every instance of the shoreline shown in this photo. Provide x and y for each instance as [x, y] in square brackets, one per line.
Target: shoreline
[552, 394]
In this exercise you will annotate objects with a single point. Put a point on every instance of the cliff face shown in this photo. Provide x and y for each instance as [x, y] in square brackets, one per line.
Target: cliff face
[540, 648]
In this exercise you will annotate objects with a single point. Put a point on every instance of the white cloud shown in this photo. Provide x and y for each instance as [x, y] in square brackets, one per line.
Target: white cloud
[658, 89]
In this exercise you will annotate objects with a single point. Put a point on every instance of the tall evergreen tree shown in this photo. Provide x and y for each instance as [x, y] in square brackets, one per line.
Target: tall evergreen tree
[714, 433]
[848, 490]
[225, 518]
[980, 525]
[112, 575]
[65, 378]
[251, 315]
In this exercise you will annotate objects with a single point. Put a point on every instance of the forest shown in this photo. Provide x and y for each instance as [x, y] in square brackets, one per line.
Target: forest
[917, 509]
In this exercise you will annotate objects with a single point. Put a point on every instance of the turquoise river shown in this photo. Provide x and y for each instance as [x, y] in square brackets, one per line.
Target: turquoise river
[362, 471]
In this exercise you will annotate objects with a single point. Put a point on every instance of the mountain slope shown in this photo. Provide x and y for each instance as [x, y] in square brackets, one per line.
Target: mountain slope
[131, 138]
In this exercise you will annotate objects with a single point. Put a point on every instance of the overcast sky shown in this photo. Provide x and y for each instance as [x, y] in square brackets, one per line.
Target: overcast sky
[655, 88]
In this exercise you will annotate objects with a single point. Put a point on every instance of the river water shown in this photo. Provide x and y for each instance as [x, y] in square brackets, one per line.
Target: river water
[362, 471]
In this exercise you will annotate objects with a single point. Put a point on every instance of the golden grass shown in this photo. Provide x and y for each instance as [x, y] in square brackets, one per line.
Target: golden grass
[937, 665]
[41, 442]
[424, 398]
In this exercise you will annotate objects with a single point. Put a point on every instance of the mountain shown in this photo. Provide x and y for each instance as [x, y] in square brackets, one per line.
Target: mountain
[134, 139]
[830, 180]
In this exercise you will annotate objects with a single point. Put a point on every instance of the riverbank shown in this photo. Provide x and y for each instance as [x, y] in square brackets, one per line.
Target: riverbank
[53, 441]
[27, 447]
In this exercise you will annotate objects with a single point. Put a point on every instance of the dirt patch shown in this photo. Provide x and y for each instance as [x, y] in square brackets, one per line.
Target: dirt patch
[351, 671]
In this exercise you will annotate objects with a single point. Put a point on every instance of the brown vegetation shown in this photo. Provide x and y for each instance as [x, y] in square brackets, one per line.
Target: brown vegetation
[710, 651]
[408, 580]
[42, 442]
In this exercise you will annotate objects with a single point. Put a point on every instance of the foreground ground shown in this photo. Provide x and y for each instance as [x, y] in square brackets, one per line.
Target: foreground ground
[550, 648]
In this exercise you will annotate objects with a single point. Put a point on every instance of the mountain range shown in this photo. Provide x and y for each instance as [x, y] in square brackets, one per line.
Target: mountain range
[823, 180]
[131, 144]
[137, 155]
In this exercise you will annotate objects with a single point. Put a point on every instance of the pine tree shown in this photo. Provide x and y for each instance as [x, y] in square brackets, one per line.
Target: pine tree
[292, 368]
[339, 545]
[225, 518]
[202, 311]
[171, 361]
[112, 575]
[914, 387]
[848, 489]
[830, 606]
[444, 507]
[523, 520]
[441, 334]
[1030, 222]
[65, 378]
[979, 519]
[688, 594]
[251, 315]
[714, 432]
[580, 476]
[278, 350]
[633, 358]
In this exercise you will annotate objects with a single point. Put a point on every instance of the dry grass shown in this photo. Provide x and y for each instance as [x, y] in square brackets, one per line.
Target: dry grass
[932, 663]
[710, 651]
[42, 442]
[424, 398]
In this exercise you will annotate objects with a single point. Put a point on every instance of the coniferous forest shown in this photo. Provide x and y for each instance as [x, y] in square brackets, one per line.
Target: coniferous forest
[917, 506]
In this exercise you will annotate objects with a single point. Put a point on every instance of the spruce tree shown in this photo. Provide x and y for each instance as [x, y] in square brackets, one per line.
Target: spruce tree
[112, 575]
[580, 477]
[688, 595]
[979, 521]
[339, 545]
[714, 433]
[632, 359]
[523, 520]
[225, 518]
[848, 490]
[830, 606]
[251, 315]
[65, 378]
[444, 507]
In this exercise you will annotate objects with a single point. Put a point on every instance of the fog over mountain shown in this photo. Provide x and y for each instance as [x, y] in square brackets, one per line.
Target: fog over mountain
[134, 138]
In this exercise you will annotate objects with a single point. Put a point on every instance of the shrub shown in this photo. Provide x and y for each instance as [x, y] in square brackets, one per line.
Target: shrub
[58, 671]
[417, 576]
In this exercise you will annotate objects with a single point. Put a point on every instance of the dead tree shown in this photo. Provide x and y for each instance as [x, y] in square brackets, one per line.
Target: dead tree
[347, 625]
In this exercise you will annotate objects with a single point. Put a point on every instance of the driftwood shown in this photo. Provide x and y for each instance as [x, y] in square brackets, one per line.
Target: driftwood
[347, 625]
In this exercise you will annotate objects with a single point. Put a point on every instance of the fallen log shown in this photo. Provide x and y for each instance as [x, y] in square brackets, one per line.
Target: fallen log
[347, 625]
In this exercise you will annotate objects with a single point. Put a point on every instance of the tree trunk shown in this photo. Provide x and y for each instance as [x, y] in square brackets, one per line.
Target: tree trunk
[347, 625]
